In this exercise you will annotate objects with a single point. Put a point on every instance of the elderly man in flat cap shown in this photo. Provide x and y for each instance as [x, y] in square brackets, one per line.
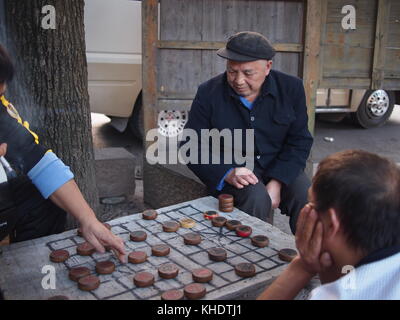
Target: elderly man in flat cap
[250, 95]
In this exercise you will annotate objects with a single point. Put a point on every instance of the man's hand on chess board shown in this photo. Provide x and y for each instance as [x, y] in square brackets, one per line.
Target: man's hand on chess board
[100, 236]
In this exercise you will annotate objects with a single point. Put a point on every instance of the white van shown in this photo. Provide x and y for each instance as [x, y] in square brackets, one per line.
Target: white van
[113, 32]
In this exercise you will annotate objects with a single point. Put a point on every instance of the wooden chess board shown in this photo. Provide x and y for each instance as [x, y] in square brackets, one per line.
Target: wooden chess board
[22, 264]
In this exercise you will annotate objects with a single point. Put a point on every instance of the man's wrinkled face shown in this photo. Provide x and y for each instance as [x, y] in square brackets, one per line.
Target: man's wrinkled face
[246, 78]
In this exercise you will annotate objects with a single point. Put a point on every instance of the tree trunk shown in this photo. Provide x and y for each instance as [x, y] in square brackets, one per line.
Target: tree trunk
[50, 89]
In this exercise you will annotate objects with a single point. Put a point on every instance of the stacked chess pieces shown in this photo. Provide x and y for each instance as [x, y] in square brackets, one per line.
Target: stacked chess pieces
[225, 202]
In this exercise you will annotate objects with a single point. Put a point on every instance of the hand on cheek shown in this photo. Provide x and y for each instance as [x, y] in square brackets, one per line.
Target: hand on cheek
[309, 237]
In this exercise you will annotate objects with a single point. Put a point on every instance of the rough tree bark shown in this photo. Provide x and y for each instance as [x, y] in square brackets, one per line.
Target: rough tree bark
[50, 89]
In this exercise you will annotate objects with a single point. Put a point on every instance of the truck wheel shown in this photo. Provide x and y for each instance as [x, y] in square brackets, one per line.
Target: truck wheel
[374, 109]
[136, 120]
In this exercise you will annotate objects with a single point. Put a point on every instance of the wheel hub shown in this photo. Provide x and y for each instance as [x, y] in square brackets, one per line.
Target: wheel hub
[378, 103]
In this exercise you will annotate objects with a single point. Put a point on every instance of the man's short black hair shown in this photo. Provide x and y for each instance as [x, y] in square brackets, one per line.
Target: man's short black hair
[364, 189]
[6, 66]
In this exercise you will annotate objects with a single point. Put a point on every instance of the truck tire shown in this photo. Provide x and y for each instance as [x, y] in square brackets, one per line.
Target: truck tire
[136, 120]
[375, 109]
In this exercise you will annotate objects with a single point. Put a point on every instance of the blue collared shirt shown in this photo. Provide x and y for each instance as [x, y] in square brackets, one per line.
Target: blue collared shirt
[246, 103]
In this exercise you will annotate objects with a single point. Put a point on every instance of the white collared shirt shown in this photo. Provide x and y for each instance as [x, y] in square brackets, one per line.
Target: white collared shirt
[379, 280]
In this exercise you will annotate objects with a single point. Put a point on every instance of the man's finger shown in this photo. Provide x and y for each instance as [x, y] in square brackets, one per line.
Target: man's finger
[302, 217]
[121, 257]
[96, 243]
[117, 245]
[253, 178]
[306, 228]
[249, 179]
[115, 242]
[309, 225]
[237, 184]
[301, 221]
[242, 181]
[316, 239]
[119, 250]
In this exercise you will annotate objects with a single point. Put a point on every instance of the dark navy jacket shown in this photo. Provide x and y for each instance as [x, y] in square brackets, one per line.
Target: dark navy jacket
[23, 148]
[46, 171]
[278, 117]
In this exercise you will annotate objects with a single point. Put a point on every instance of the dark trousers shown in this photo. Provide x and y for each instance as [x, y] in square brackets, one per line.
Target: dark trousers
[254, 199]
[36, 216]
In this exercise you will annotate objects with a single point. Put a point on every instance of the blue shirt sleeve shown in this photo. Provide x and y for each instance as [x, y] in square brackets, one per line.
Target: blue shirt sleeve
[49, 174]
[222, 182]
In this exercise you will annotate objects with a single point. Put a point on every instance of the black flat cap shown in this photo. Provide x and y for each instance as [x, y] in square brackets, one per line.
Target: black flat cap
[247, 46]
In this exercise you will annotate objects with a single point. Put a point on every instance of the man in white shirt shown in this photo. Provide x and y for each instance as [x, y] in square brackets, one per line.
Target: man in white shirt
[348, 233]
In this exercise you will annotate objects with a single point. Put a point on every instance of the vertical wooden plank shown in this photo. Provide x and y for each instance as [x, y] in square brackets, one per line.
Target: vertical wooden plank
[181, 20]
[312, 50]
[287, 62]
[381, 38]
[392, 58]
[149, 63]
[324, 30]
[179, 71]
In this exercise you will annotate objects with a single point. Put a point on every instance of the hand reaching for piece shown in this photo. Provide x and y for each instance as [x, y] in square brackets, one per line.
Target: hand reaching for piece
[99, 236]
[69, 198]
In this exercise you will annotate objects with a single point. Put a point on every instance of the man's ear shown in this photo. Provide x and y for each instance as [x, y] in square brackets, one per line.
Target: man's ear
[269, 64]
[332, 224]
[268, 67]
